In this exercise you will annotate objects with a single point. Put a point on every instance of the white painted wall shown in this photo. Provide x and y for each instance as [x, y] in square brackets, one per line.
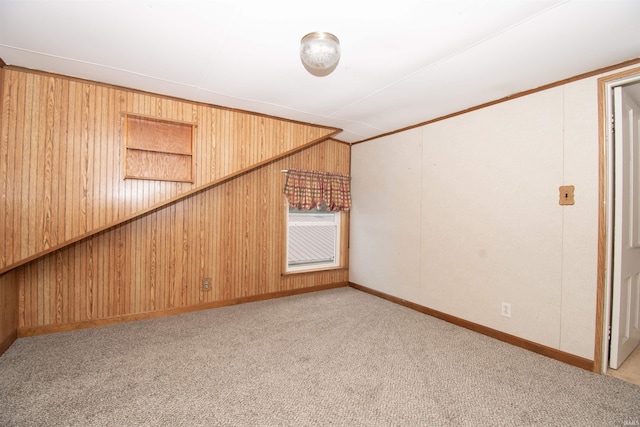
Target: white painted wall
[463, 214]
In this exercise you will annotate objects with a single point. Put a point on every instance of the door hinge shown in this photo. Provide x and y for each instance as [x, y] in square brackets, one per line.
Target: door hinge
[613, 126]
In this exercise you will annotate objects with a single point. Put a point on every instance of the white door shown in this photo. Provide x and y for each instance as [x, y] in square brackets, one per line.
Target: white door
[625, 310]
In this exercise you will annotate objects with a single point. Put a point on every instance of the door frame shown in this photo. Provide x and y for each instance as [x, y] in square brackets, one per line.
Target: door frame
[605, 212]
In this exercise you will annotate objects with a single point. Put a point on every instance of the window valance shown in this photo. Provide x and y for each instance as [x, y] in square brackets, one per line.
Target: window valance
[310, 189]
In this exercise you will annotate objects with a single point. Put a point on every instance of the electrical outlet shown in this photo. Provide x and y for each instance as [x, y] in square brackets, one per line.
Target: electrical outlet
[206, 284]
[506, 309]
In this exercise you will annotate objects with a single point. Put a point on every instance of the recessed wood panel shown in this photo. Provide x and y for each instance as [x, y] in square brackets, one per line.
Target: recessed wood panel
[157, 166]
[158, 135]
[158, 149]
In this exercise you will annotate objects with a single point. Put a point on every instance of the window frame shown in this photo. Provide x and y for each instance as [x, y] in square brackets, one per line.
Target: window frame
[313, 266]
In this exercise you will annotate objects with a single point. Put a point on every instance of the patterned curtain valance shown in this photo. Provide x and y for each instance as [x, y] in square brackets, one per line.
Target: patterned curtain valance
[309, 189]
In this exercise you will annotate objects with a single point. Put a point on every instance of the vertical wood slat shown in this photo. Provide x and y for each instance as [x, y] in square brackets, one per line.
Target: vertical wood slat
[26, 240]
[62, 171]
[232, 233]
[5, 197]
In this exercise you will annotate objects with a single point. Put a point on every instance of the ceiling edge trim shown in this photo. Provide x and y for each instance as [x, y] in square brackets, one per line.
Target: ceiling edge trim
[509, 98]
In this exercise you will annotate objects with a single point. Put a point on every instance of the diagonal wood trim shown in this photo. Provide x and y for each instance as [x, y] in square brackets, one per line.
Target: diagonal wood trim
[41, 330]
[164, 203]
[493, 333]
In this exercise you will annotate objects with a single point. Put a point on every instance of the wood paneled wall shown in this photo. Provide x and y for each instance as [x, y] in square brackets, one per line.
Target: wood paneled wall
[233, 233]
[81, 246]
[61, 176]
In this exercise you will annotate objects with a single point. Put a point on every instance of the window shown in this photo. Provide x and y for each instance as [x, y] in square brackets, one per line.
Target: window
[313, 239]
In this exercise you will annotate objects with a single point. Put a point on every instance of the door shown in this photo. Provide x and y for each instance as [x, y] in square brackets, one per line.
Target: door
[625, 310]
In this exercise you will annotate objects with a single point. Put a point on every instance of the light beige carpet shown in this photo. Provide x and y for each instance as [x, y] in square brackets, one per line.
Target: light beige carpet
[338, 357]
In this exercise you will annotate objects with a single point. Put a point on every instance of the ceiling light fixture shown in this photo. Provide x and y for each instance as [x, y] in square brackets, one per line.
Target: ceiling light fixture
[320, 53]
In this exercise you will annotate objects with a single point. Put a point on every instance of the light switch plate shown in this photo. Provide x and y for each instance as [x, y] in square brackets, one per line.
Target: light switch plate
[566, 195]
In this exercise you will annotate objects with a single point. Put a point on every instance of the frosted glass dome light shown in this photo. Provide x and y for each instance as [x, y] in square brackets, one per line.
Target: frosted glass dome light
[320, 51]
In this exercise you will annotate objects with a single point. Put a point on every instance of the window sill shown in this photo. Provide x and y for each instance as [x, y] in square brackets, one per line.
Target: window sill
[319, 270]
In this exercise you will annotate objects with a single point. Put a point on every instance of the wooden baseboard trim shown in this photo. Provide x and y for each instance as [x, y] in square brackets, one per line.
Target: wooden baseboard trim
[6, 343]
[561, 356]
[50, 329]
